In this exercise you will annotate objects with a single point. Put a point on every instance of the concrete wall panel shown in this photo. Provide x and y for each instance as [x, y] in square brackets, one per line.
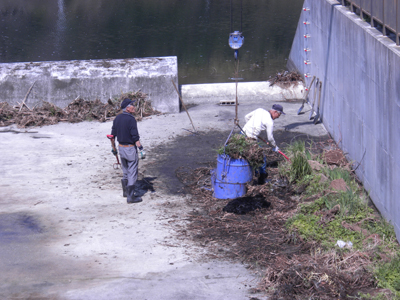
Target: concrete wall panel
[394, 109]
[394, 180]
[61, 82]
[347, 118]
[246, 91]
[361, 95]
[358, 147]
[361, 98]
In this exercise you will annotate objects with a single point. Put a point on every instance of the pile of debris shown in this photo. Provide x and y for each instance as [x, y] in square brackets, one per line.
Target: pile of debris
[77, 111]
[142, 104]
[285, 78]
[241, 147]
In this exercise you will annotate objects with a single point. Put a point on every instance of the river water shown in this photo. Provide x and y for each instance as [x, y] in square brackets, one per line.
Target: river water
[196, 31]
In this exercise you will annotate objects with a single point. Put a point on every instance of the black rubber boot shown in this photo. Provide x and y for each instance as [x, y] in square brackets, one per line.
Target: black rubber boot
[262, 178]
[131, 198]
[124, 183]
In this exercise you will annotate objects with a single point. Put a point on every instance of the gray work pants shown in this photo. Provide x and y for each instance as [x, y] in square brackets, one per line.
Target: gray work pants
[130, 164]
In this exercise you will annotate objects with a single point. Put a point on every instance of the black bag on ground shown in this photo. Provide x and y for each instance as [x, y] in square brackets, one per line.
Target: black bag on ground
[243, 205]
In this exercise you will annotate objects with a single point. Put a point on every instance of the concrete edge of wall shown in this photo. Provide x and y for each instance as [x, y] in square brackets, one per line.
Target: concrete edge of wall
[61, 82]
[254, 91]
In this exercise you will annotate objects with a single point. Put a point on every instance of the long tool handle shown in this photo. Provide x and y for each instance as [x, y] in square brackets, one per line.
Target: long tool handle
[306, 96]
[112, 140]
[279, 151]
[183, 104]
[319, 94]
[317, 116]
[308, 91]
[241, 130]
[315, 96]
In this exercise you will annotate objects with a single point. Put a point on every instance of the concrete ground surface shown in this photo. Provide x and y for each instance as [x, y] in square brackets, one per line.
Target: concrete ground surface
[66, 232]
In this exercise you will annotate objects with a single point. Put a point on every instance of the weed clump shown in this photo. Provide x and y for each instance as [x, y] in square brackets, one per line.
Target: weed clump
[241, 147]
[300, 167]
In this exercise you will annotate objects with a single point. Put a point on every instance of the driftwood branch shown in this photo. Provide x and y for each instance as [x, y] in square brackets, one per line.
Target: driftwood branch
[183, 104]
[26, 97]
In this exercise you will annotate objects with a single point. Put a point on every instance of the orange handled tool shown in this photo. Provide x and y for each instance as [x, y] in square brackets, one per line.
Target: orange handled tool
[279, 151]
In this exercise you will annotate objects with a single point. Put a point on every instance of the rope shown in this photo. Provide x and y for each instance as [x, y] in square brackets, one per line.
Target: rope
[231, 17]
[225, 169]
[241, 16]
[236, 121]
[228, 138]
[227, 158]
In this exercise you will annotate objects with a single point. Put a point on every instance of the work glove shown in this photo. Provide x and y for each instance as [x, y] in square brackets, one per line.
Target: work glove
[276, 149]
[115, 152]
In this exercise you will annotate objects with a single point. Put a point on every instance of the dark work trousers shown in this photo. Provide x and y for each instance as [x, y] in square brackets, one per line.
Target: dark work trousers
[130, 163]
[263, 168]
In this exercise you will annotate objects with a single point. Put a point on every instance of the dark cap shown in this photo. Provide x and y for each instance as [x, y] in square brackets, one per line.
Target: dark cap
[126, 102]
[278, 108]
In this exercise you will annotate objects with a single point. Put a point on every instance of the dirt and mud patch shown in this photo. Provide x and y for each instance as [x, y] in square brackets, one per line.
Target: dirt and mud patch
[188, 152]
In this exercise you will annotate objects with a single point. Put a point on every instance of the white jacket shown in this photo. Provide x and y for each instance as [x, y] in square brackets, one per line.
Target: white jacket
[257, 121]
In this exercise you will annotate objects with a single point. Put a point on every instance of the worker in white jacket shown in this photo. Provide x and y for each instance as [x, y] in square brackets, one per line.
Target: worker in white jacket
[259, 120]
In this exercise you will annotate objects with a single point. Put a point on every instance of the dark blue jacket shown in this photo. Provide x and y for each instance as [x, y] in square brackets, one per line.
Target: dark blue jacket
[125, 129]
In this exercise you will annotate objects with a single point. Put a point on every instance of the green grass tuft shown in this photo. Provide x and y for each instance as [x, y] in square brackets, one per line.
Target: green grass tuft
[350, 203]
[338, 173]
[300, 167]
[297, 146]
[387, 275]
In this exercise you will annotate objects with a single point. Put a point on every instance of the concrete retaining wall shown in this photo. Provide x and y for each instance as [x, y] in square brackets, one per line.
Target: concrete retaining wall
[61, 82]
[359, 69]
[246, 91]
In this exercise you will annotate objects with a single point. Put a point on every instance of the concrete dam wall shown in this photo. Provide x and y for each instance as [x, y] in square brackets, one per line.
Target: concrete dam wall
[61, 82]
[360, 101]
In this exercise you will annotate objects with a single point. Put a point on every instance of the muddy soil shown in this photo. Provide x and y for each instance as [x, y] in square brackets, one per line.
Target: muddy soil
[191, 151]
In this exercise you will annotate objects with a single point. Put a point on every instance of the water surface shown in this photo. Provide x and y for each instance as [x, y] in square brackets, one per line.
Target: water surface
[196, 31]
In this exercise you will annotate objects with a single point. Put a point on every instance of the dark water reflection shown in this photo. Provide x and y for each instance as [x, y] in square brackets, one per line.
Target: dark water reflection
[196, 31]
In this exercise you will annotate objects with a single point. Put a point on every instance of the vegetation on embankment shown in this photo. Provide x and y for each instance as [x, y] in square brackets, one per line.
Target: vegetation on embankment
[354, 244]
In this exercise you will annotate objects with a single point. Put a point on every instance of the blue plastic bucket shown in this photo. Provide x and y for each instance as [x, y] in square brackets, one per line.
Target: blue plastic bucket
[233, 170]
[230, 177]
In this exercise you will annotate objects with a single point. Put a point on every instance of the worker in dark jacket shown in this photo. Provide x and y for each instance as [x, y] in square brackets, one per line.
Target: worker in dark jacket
[125, 130]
